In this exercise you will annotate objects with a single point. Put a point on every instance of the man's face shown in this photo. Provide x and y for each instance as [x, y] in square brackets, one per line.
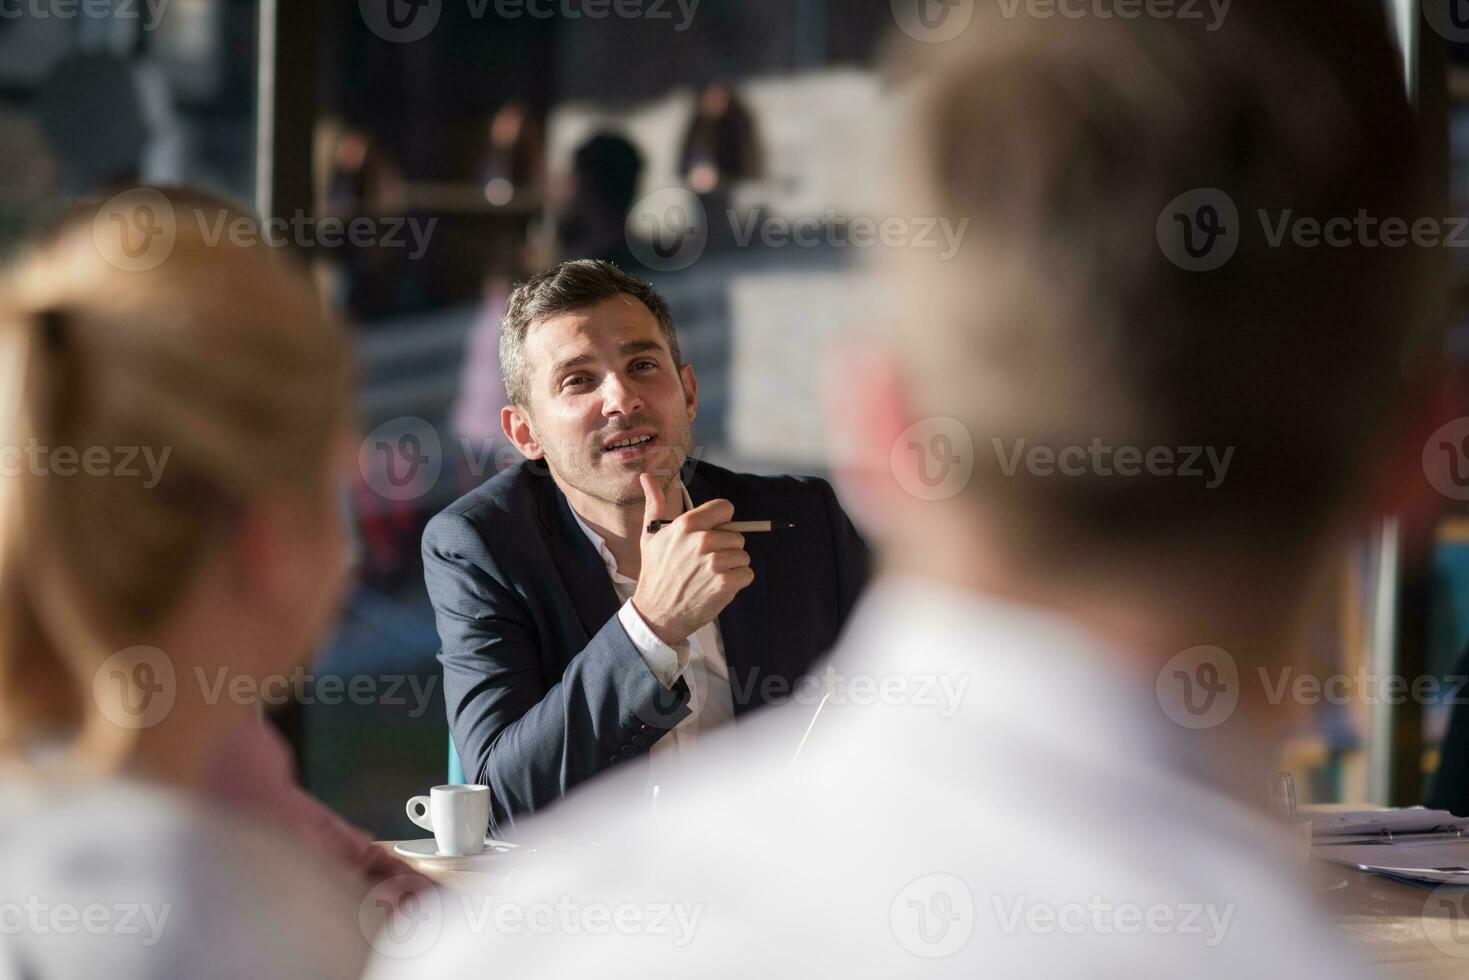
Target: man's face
[598, 377]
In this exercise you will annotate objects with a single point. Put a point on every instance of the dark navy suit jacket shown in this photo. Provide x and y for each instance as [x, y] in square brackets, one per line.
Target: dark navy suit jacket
[543, 687]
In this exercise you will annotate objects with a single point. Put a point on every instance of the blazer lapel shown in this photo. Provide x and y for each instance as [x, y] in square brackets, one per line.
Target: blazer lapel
[743, 625]
[580, 567]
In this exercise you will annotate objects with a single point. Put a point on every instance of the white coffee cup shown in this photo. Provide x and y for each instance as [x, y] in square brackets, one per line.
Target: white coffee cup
[458, 816]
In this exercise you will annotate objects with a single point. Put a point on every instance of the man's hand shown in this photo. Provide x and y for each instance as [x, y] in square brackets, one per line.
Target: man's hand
[690, 571]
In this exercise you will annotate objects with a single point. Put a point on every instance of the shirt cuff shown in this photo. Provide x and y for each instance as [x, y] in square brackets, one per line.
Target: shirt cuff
[666, 662]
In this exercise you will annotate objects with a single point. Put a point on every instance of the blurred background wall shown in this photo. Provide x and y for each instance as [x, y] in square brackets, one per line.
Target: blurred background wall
[687, 142]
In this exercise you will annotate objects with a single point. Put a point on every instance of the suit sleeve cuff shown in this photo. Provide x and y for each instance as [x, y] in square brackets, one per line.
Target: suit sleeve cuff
[666, 662]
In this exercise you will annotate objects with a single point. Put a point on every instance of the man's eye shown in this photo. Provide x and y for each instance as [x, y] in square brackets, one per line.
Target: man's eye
[576, 381]
[645, 365]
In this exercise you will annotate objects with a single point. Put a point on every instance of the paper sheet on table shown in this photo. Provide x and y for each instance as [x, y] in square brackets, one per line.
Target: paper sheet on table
[1436, 861]
[1408, 820]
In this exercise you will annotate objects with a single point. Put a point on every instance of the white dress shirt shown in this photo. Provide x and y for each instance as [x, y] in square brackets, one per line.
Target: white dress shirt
[699, 659]
[987, 793]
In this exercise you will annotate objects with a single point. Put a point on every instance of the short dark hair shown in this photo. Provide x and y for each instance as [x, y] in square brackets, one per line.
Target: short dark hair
[1064, 142]
[570, 286]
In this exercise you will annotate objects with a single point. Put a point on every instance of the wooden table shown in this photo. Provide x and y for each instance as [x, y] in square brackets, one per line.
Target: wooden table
[1389, 923]
[1386, 922]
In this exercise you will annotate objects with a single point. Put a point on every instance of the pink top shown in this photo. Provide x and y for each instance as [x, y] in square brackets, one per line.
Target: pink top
[252, 771]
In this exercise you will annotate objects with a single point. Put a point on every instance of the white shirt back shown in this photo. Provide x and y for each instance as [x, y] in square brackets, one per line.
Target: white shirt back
[121, 880]
[983, 796]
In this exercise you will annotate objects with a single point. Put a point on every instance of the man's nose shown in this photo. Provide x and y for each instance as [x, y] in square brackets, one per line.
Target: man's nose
[619, 397]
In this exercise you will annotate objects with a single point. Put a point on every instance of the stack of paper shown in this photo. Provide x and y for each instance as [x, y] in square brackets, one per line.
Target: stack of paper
[1429, 847]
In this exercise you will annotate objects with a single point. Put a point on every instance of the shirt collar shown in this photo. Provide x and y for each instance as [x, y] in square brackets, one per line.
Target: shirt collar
[601, 545]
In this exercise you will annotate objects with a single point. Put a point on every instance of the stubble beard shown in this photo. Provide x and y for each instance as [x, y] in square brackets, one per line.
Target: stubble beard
[664, 466]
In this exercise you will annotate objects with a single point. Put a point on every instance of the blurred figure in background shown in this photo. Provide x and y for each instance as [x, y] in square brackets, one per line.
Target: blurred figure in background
[171, 548]
[513, 168]
[362, 179]
[110, 120]
[514, 157]
[722, 145]
[1055, 763]
[591, 221]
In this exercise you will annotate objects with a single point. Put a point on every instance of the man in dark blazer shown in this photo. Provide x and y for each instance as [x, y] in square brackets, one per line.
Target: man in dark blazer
[575, 637]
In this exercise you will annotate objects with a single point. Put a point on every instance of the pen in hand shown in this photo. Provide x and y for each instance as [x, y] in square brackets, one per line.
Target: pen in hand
[743, 527]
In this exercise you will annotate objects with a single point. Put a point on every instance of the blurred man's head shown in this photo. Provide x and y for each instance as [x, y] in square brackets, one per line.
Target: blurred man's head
[1129, 387]
[596, 382]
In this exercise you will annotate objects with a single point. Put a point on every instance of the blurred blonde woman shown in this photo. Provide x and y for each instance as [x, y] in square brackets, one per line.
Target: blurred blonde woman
[176, 427]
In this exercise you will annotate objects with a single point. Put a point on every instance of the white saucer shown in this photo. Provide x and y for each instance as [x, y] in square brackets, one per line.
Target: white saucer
[427, 849]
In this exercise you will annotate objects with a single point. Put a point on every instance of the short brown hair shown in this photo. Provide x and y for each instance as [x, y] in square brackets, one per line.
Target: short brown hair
[1064, 142]
[572, 285]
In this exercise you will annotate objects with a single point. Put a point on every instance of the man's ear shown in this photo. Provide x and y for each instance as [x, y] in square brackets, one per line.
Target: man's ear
[867, 405]
[690, 390]
[515, 423]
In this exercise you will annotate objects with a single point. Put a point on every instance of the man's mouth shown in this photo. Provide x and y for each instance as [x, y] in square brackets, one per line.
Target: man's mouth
[628, 442]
